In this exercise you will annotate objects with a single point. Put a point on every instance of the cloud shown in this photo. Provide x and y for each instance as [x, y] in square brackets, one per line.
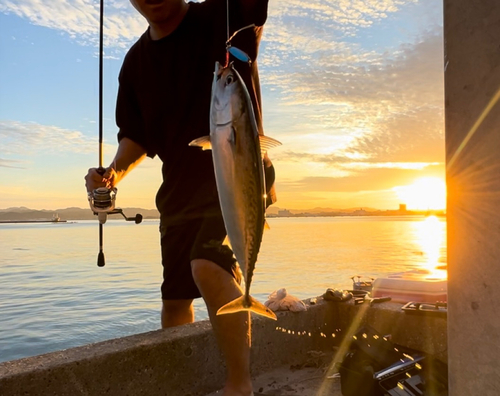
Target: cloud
[5, 163]
[22, 139]
[328, 75]
[291, 23]
[345, 162]
[387, 106]
[374, 179]
[344, 16]
[344, 73]
[298, 31]
[80, 19]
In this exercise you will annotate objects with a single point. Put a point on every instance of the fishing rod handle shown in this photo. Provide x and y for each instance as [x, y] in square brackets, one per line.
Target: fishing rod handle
[100, 257]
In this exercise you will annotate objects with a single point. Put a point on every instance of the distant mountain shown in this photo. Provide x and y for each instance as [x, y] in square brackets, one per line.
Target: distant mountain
[73, 213]
[318, 210]
[18, 209]
[21, 214]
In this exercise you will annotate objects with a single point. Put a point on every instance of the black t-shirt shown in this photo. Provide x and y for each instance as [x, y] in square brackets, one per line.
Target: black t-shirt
[164, 101]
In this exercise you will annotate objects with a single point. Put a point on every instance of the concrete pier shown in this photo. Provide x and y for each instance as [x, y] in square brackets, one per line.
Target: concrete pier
[185, 360]
[472, 112]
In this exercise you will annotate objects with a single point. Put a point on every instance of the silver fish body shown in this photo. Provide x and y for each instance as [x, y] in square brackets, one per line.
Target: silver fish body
[239, 173]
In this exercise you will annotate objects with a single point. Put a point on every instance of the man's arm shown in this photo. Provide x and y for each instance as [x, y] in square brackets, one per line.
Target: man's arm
[128, 156]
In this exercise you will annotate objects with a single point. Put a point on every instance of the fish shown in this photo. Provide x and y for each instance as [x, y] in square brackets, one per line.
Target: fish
[237, 150]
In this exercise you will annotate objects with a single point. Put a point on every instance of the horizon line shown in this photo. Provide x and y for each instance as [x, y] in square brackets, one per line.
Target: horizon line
[276, 207]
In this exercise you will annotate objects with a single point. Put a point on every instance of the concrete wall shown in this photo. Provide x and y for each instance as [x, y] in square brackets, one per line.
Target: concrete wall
[181, 361]
[472, 83]
[185, 360]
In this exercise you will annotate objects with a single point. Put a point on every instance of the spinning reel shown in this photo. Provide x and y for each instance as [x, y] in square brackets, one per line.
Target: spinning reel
[102, 203]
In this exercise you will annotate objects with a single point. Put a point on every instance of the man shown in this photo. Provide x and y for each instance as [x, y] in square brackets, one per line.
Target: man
[163, 104]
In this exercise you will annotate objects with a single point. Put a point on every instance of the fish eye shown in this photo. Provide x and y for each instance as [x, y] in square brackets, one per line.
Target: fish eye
[229, 79]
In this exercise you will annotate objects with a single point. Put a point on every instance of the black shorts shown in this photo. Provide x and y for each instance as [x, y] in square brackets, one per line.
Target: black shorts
[194, 239]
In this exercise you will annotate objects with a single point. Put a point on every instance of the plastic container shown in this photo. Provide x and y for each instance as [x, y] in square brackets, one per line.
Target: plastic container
[415, 286]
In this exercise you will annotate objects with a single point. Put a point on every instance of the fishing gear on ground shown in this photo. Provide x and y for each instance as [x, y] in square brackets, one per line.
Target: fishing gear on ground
[375, 366]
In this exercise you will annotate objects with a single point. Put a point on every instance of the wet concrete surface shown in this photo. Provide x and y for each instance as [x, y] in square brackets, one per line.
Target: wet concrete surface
[308, 379]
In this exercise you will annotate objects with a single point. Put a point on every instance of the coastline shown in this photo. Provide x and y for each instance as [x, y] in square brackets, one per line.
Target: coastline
[32, 221]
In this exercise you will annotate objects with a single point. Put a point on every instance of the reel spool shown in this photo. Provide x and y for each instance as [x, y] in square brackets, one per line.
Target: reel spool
[102, 202]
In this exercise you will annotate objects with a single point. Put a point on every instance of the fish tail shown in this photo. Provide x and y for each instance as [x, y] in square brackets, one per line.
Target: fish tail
[245, 303]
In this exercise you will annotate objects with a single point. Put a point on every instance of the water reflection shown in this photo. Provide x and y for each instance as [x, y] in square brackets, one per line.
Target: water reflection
[77, 303]
[430, 235]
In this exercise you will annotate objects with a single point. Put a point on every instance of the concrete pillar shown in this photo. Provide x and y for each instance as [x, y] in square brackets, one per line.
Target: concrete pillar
[472, 112]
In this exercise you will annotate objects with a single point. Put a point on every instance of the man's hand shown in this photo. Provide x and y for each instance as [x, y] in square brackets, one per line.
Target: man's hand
[94, 179]
[128, 156]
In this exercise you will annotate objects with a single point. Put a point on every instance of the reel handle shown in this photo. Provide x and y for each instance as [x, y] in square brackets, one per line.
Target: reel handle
[137, 219]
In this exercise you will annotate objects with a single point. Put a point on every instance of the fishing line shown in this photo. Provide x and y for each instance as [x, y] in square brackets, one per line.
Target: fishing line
[227, 18]
[227, 30]
[236, 52]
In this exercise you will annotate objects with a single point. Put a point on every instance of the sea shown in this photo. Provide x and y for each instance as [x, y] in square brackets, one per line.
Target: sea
[53, 296]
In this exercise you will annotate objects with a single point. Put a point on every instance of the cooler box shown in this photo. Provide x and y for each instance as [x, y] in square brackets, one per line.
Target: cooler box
[415, 286]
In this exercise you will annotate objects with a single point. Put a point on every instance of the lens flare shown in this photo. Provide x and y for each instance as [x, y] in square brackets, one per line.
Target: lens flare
[425, 194]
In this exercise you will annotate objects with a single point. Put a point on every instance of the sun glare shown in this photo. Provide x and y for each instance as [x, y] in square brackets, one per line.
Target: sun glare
[429, 235]
[426, 193]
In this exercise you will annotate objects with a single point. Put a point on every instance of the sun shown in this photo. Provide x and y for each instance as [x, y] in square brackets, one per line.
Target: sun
[425, 194]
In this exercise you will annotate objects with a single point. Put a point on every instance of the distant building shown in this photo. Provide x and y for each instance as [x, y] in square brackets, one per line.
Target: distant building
[284, 213]
[402, 208]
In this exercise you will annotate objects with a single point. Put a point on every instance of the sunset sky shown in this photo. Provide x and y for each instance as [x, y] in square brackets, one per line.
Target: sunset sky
[352, 88]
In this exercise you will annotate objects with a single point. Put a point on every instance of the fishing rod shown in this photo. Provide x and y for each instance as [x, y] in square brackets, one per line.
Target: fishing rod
[102, 199]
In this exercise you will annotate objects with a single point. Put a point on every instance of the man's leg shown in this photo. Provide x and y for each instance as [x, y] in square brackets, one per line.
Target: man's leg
[232, 331]
[176, 313]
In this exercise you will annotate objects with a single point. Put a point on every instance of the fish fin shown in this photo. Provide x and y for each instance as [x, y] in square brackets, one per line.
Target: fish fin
[266, 225]
[251, 305]
[203, 142]
[267, 143]
[227, 242]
